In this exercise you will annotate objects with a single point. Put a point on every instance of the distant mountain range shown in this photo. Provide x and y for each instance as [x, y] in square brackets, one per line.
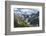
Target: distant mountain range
[26, 11]
[31, 14]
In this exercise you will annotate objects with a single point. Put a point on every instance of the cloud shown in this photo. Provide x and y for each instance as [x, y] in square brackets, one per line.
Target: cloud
[25, 11]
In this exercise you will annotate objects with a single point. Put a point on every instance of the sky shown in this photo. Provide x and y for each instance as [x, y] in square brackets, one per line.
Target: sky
[25, 11]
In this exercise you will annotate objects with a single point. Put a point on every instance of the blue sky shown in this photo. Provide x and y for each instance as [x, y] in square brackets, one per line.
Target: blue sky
[25, 10]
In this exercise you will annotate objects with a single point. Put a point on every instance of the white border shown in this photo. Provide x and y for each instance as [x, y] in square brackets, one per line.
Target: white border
[25, 28]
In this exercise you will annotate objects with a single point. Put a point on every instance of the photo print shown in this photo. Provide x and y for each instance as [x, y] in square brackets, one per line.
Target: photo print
[26, 17]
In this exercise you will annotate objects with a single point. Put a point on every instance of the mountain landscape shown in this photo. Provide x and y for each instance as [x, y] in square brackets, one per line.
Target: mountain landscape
[26, 17]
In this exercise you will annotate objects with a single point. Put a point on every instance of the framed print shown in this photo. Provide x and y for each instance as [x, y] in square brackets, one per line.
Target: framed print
[24, 17]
